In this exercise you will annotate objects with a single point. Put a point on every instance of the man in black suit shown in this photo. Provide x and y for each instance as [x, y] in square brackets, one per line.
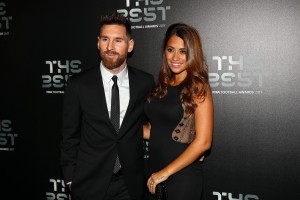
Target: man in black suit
[92, 143]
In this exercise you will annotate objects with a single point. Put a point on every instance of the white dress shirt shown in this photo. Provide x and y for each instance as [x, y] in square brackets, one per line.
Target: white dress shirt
[123, 84]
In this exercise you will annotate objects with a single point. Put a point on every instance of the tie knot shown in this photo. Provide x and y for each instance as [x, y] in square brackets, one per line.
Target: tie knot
[114, 78]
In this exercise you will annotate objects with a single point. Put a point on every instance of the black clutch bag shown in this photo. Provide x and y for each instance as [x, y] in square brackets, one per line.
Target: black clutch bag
[161, 191]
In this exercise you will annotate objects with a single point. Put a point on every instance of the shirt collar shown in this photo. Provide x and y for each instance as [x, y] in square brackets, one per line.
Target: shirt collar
[107, 75]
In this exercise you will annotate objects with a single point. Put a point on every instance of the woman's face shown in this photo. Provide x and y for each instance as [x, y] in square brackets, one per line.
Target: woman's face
[176, 55]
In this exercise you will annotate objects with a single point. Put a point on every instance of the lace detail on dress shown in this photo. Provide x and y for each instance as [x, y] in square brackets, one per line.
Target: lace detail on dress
[185, 130]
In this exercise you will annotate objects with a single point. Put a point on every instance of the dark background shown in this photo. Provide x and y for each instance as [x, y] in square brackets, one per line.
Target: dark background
[255, 153]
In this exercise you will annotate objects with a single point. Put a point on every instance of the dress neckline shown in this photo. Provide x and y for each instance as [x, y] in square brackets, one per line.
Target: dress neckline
[180, 85]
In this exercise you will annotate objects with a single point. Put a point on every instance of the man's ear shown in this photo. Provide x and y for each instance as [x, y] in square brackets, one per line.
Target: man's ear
[130, 45]
[98, 42]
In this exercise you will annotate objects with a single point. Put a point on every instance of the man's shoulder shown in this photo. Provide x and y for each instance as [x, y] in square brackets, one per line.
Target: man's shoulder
[85, 73]
[139, 72]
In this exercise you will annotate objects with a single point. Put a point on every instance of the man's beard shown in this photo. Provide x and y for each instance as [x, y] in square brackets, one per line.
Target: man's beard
[112, 63]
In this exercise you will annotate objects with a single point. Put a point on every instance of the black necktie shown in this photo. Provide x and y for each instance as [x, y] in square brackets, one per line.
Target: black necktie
[115, 115]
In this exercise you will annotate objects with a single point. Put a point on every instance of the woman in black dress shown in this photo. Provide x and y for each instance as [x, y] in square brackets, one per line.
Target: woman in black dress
[180, 114]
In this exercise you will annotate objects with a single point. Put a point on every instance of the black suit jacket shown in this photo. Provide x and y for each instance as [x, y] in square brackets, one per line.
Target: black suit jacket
[90, 143]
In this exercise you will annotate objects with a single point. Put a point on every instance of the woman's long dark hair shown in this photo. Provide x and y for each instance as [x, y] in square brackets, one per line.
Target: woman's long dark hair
[195, 85]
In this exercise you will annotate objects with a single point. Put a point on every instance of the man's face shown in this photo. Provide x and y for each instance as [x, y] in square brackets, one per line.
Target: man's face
[114, 45]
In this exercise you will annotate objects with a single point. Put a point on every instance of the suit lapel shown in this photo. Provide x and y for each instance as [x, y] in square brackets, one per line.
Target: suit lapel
[133, 96]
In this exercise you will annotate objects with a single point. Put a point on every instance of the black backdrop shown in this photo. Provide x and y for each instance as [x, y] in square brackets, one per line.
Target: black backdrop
[252, 52]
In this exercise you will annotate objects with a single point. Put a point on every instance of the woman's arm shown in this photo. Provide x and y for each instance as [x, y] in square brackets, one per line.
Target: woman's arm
[202, 142]
[146, 128]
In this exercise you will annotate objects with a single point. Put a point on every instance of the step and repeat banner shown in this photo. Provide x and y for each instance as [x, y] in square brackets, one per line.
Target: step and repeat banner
[253, 55]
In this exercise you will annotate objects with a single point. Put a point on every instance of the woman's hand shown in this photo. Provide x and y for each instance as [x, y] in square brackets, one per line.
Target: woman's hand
[155, 179]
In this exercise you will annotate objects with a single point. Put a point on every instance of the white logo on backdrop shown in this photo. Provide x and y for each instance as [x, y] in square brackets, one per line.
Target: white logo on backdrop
[5, 20]
[59, 72]
[229, 196]
[145, 13]
[7, 136]
[57, 190]
[231, 77]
